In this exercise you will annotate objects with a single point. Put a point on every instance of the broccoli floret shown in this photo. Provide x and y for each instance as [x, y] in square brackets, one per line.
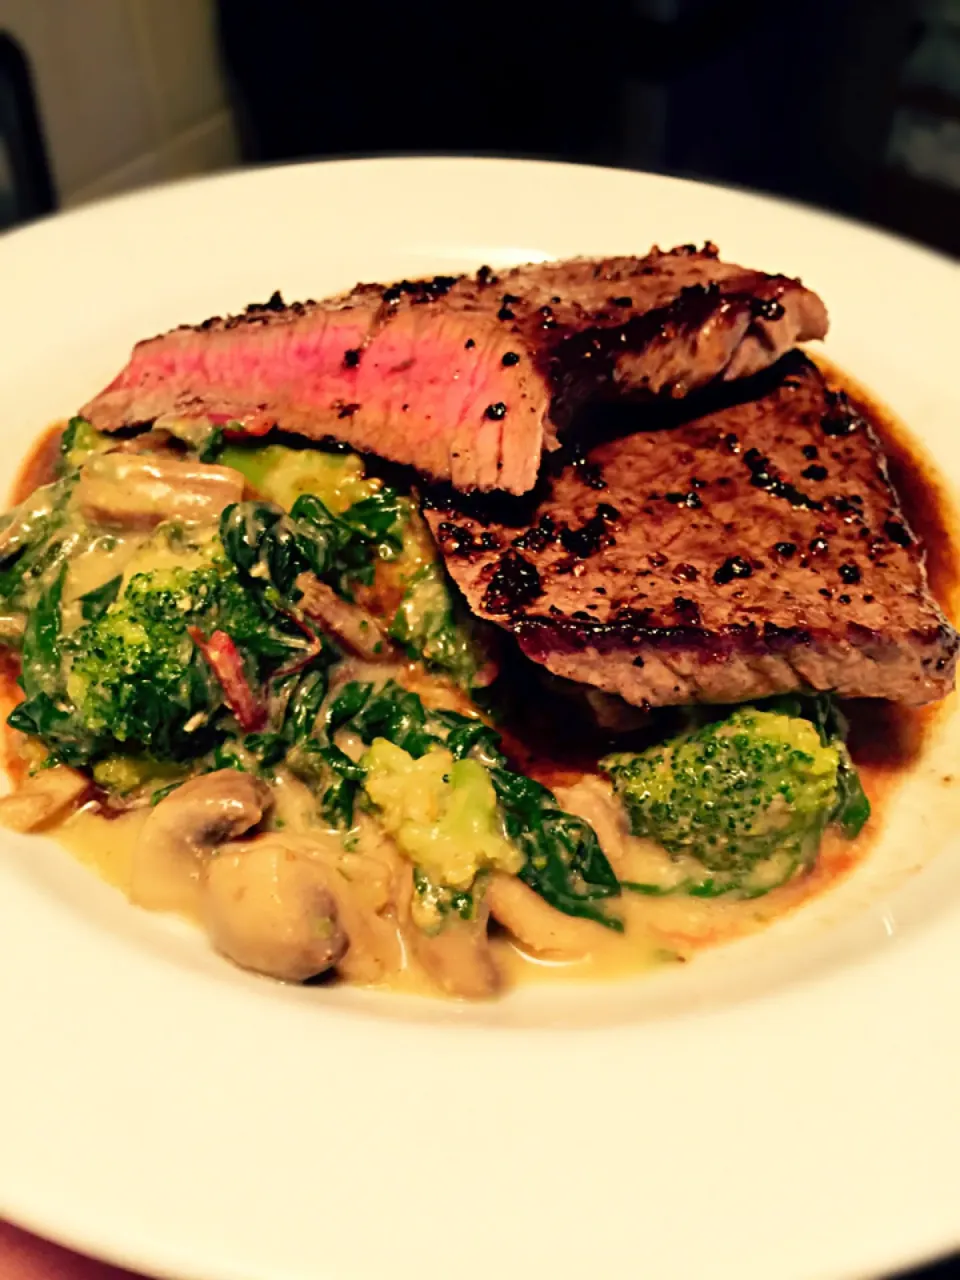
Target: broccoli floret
[125, 775]
[442, 812]
[134, 675]
[282, 474]
[747, 798]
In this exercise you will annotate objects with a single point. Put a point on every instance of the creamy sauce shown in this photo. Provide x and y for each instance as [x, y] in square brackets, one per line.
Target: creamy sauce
[886, 742]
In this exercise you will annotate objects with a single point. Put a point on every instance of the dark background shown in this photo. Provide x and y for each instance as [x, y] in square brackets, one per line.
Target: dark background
[849, 104]
[852, 104]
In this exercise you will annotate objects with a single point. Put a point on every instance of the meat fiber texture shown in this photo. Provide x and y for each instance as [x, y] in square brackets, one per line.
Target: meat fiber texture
[469, 379]
[755, 549]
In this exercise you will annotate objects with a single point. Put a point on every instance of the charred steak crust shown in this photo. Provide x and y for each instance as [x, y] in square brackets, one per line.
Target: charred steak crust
[752, 550]
[469, 378]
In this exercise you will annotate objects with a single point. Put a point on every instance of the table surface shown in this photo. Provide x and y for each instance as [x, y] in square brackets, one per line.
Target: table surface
[25, 1257]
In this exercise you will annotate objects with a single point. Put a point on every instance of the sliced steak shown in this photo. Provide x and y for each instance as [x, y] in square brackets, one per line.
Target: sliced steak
[468, 379]
[756, 549]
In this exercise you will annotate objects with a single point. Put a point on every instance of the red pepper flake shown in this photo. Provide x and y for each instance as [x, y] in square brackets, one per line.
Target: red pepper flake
[225, 662]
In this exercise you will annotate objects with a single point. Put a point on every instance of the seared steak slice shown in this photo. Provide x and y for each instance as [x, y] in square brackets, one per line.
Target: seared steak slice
[469, 379]
[751, 551]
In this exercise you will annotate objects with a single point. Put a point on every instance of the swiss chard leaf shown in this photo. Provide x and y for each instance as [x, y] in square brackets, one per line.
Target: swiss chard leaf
[261, 541]
[211, 446]
[465, 734]
[41, 642]
[399, 716]
[303, 706]
[268, 748]
[564, 863]
[35, 542]
[273, 547]
[853, 807]
[339, 798]
[348, 703]
[95, 603]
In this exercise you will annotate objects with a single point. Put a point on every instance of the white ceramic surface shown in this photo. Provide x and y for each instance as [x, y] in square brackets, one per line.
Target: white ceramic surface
[782, 1109]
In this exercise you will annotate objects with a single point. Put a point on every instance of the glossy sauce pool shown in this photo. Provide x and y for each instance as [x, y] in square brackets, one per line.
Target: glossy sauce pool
[886, 742]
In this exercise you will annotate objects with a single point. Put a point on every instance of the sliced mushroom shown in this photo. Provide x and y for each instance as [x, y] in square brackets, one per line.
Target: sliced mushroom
[538, 926]
[12, 627]
[154, 441]
[592, 799]
[363, 885]
[139, 491]
[292, 906]
[270, 909]
[186, 826]
[358, 630]
[43, 798]
[458, 958]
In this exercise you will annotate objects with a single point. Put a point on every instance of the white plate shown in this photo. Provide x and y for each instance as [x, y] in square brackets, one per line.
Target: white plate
[784, 1108]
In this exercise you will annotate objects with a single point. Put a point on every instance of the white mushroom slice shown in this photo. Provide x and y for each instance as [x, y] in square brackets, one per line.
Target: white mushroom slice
[12, 627]
[538, 926]
[270, 909]
[139, 491]
[458, 958]
[44, 798]
[375, 951]
[358, 630]
[187, 826]
[363, 886]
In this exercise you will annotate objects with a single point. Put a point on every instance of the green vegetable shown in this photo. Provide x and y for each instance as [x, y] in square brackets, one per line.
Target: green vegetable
[742, 803]
[282, 474]
[564, 862]
[275, 548]
[41, 658]
[131, 678]
[853, 808]
[434, 904]
[432, 629]
[562, 858]
[94, 604]
[123, 774]
[135, 676]
[36, 540]
[393, 713]
[340, 796]
[377, 534]
[44, 713]
[303, 696]
[197, 433]
[80, 441]
[442, 812]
